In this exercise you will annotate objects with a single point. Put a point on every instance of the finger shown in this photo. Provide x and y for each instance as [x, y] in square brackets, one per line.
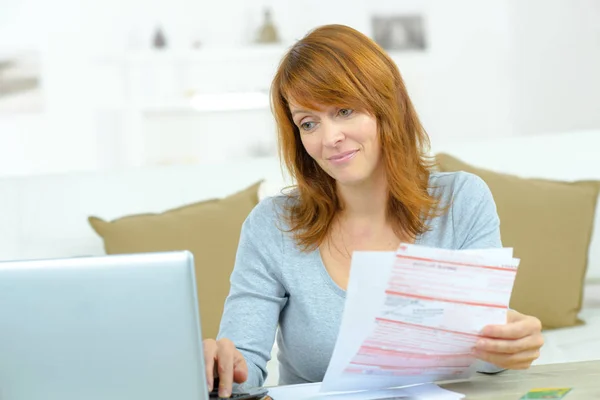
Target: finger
[514, 316]
[225, 355]
[512, 330]
[508, 360]
[521, 366]
[210, 353]
[508, 346]
[240, 368]
[534, 323]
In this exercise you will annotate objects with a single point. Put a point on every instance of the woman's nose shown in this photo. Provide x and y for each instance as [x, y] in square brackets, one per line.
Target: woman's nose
[332, 134]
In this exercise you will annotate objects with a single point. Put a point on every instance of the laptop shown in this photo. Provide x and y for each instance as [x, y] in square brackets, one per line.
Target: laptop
[109, 327]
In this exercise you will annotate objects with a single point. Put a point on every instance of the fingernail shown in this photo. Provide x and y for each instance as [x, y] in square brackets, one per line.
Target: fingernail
[223, 393]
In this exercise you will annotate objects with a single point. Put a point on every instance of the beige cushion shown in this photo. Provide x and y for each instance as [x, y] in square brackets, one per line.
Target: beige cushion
[549, 224]
[209, 229]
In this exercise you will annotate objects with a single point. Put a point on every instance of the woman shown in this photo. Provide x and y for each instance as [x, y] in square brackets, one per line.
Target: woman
[350, 137]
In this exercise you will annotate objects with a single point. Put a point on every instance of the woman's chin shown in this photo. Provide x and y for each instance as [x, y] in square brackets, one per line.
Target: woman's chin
[350, 179]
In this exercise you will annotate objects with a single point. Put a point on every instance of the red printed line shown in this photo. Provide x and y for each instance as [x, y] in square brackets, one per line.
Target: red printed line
[410, 355]
[413, 347]
[407, 372]
[426, 327]
[406, 347]
[399, 367]
[426, 339]
[506, 269]
[416, 296]
[397, 281]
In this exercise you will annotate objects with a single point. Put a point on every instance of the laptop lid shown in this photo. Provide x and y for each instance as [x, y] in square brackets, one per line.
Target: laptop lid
[111, 327]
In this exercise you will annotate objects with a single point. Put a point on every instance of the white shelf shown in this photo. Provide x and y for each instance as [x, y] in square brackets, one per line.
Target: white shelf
[190, 93]
[204, 54]
[208, 102]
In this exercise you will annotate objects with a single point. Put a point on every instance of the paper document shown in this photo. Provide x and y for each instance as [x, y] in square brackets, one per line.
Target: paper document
[414, 316]
[311, 391]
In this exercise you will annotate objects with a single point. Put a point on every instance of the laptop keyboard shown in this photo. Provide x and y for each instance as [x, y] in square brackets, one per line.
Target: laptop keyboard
[240, 396]
[255, 394]
[237, 396]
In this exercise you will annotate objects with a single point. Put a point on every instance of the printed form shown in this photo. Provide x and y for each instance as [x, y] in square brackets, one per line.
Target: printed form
[310, 391]
[413, 316]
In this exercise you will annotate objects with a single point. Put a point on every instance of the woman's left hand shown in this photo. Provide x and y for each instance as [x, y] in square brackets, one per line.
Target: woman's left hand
[514, 345]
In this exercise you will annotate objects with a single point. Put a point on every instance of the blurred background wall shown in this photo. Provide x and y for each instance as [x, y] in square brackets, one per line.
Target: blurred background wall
[88, 85]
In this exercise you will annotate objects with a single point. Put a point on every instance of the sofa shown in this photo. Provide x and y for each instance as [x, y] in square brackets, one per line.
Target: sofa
[49, 216]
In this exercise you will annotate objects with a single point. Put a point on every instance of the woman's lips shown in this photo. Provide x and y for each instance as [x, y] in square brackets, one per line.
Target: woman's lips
[342, 157]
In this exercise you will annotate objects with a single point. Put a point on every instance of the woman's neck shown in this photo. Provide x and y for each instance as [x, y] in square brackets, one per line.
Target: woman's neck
[366, 201]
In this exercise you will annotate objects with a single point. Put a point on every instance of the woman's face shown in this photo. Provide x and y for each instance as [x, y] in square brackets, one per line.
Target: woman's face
[344, 142]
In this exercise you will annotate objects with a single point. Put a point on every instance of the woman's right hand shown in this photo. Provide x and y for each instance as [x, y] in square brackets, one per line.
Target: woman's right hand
[223, 358]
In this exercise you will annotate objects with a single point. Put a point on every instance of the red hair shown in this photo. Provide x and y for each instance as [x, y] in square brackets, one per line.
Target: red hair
[335, 65]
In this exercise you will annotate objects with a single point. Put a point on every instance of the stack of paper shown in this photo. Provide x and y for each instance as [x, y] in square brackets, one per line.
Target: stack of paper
[412, 318]
[311, 391]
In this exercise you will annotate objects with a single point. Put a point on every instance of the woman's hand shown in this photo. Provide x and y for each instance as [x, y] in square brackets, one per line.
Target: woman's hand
[514, 345]
[223, 358]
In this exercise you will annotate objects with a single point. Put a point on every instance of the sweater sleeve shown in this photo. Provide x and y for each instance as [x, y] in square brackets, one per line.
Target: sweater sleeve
[476, 226]
[474, 215]
[257, 295]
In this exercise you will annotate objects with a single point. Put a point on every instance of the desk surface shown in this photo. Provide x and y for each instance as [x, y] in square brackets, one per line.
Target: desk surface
[583, 377]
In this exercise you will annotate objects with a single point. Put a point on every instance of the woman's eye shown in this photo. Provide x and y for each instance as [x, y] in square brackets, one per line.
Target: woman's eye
[307, 125]
[344, 112]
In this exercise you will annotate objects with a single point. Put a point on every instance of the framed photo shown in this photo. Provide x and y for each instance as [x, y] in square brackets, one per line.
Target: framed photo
[399, 32]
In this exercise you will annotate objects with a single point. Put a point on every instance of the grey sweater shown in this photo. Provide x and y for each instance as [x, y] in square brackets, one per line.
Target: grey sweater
[275, 285]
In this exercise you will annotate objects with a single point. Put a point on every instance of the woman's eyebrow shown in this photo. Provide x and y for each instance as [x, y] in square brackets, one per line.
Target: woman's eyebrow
[300, 112]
